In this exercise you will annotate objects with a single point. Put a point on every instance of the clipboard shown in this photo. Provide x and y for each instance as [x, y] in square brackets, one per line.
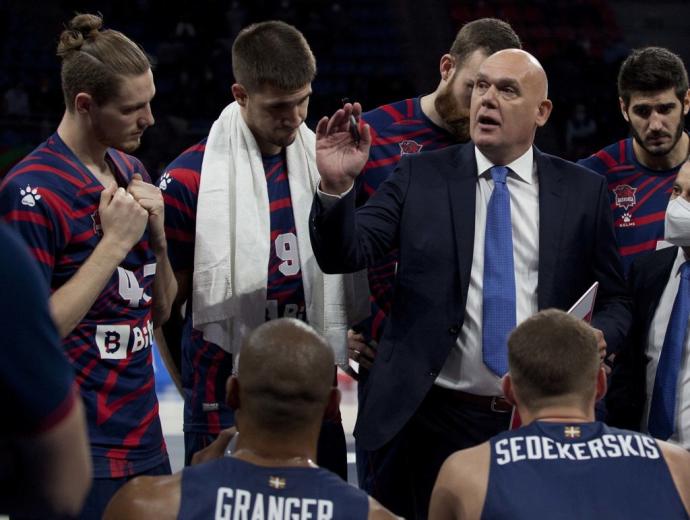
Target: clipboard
[584, 307]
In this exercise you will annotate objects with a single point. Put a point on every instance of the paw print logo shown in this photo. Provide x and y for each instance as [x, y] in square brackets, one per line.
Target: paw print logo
[165, 180]
[29, 196]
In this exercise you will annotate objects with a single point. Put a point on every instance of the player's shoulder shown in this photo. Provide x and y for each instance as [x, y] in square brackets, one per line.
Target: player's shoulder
[146, 497]
[463, 478]
[678, 462]
[378, 512]
[47, 165]
[464, 460]
[183, 174]
[391, 114]
[42, 182]
[611, 156]
[128, 163]
[190, 160]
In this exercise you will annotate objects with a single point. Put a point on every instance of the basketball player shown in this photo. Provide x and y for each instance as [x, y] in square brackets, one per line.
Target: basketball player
[561, 463]
[280, 394]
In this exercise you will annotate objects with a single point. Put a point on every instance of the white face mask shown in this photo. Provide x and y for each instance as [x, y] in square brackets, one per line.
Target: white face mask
[677, 222]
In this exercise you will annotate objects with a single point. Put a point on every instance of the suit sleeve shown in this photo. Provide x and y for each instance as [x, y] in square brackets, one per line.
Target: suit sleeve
[612, 313]
[346, 239]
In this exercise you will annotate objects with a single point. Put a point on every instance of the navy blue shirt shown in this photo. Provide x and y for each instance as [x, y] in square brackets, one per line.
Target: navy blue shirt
[579, 470]
[230, 488]
[36, 380]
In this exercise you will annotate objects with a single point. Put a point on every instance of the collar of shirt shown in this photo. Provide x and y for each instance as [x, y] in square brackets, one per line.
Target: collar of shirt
[681, 258]
[523, 167]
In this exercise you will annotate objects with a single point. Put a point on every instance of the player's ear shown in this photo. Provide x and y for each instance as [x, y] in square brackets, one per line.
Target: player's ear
[83, 102]
[507, 386]
[601, 384]
[240, 94]
[624, 109]
[447, 67]
[232, 388]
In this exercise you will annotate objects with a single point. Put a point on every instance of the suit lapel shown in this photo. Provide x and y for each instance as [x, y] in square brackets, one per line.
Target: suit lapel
[552, 211]
[655, 283]
[462, 186]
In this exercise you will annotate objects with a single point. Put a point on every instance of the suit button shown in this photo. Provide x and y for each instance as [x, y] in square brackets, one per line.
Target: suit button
[454, 330]
[433, 374]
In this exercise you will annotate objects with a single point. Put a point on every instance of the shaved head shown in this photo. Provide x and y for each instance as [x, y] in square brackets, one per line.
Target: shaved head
[285, 375]
[532, 70]
[509, 102]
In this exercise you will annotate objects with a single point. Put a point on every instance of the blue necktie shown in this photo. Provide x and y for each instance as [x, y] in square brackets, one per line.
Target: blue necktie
[499, 276]
[662, 412]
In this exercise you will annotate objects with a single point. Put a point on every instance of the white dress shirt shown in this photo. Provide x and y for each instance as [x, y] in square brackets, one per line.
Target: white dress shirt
[465, 369]
[655, 340]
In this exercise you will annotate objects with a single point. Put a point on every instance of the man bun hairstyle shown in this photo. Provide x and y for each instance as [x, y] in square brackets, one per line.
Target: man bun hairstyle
[95, 60]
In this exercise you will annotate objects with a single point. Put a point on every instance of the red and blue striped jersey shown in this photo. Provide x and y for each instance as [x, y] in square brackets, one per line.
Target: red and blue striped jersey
[52, 199]
[396, 129]
[205, 366]
[638, 196]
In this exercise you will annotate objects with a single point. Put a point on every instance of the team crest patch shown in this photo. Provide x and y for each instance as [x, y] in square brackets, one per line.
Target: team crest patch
[96, 222]
[625, 198]
[572, 432]
[29, 196]
[277, 482]
[409, 146]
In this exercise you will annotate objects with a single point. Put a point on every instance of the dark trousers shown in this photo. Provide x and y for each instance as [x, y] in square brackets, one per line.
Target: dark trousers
[331, 450]
[401, 474]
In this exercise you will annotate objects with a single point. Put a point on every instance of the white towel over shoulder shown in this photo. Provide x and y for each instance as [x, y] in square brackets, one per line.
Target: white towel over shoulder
[232, 243]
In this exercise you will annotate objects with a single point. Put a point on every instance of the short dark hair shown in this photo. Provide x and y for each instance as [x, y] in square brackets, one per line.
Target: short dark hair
[94, 60]
[285, 372]
[652, 69]
[553, 354]
[274, 53]
[487, 34]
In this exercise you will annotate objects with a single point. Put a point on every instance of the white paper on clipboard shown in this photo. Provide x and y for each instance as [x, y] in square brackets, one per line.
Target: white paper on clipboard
[584, 307]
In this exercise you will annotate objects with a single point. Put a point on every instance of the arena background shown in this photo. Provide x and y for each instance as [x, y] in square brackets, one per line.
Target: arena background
[371, 51]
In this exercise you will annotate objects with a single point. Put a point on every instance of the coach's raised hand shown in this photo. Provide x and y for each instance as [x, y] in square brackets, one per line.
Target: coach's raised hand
[339, 156]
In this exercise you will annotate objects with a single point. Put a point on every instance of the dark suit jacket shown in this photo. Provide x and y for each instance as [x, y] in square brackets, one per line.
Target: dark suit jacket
[426, 209]
[647, 280]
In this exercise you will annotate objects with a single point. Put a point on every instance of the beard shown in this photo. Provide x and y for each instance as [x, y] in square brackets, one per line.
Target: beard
[660, 150]
[124, 145]
[283, 141]
[128, 146]
[455, 117]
